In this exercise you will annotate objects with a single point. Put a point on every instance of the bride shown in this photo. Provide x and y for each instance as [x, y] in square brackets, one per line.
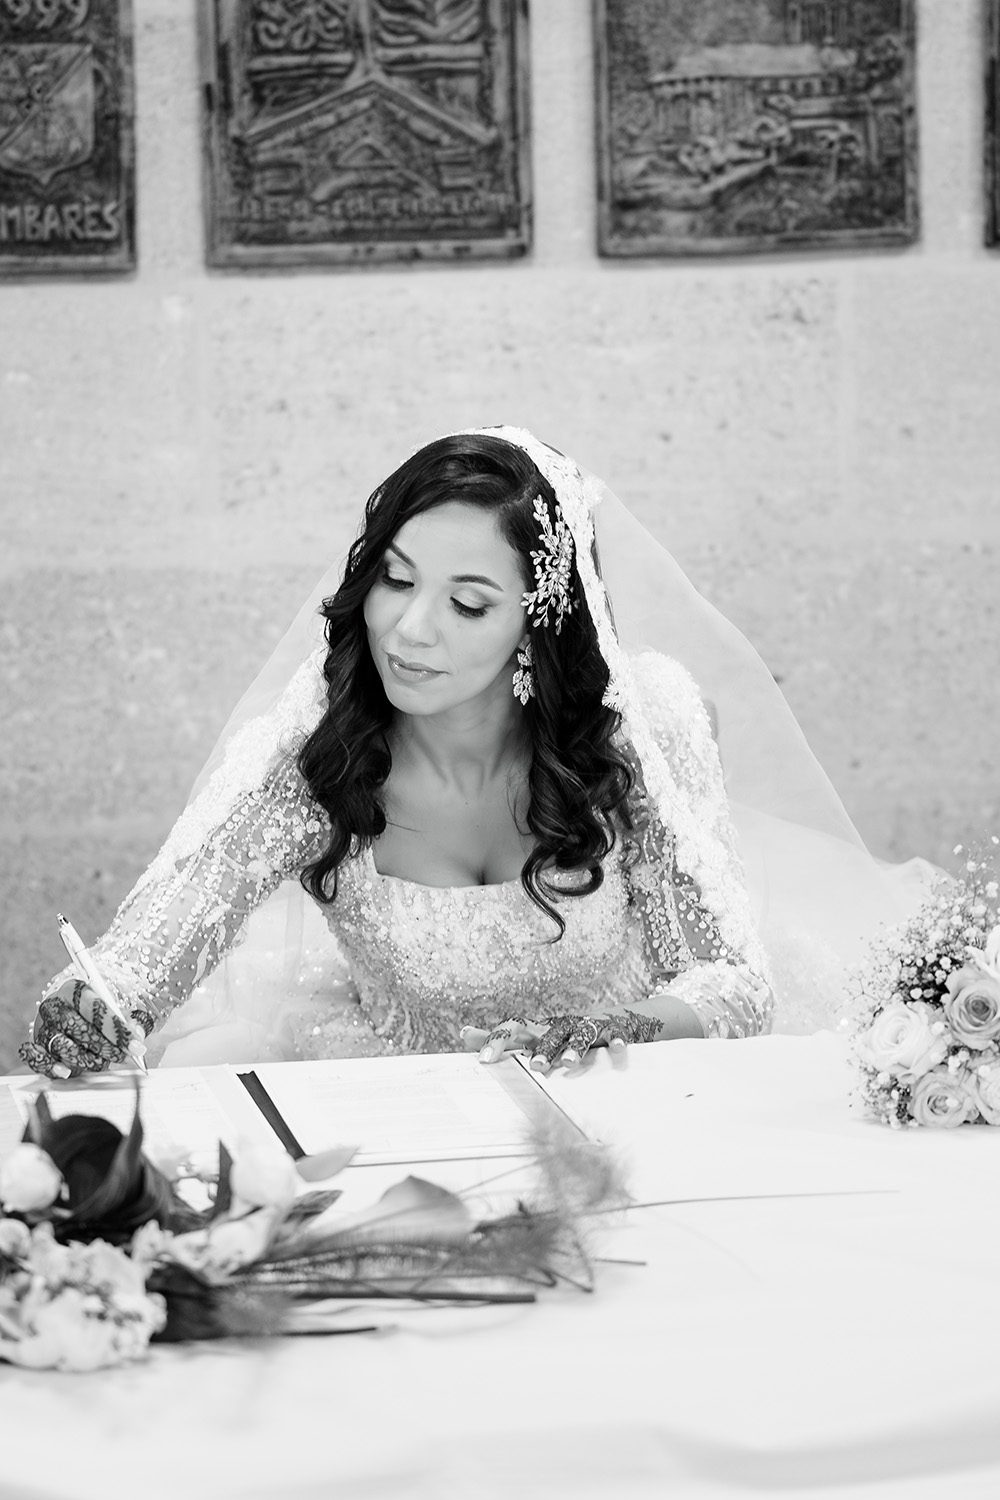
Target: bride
[473, 819]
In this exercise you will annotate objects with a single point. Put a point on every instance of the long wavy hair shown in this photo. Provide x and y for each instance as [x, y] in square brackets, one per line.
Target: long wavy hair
[579, 780]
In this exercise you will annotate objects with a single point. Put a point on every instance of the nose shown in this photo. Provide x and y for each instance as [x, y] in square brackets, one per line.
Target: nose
[416, 624]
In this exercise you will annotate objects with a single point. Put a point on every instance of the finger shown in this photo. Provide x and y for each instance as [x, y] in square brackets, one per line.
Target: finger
[104, 1023]
[511, 1035]
[52, 1008]
[62, 1049]
[473, 1037]
[586, 1032]
[76, 996]
[551, 1043]
[56, 1009]
[73, 1048]
[496, 1047]
[42, 1062]
[67, 1038]
[94, 1049]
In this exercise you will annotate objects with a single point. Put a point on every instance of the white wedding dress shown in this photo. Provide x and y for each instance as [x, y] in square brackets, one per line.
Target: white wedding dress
[417, 962]
[750, 892]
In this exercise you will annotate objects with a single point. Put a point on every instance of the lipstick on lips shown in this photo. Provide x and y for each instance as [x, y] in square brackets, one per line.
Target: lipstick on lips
[406, 671]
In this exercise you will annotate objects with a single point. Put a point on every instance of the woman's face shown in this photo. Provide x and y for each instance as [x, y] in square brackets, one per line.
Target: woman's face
[444, 617]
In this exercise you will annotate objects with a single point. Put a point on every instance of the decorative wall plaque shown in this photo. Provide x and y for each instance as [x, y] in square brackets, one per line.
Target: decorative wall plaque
[726, 126]
[67, 179]
[359, 130]
[993, 123]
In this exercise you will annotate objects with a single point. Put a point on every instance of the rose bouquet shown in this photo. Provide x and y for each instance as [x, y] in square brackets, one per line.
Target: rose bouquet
[101, 1250]
[926, 1036]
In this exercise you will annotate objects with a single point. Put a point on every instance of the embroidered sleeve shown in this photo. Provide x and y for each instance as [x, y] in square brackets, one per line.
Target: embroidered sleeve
[176, 925]
[700, 940]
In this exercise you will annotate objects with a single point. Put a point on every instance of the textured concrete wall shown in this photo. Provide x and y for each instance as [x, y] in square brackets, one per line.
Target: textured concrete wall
[817, 437]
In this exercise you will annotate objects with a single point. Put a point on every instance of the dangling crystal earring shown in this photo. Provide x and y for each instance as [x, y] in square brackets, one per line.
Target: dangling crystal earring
[524, 679]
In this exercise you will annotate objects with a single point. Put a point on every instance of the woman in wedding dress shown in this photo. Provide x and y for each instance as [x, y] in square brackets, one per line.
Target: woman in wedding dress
[472, 818]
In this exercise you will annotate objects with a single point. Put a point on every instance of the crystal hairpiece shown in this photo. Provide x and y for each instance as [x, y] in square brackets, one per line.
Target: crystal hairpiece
[553, 563]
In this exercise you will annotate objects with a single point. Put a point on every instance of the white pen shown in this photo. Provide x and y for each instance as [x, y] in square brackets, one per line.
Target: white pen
[88, 971]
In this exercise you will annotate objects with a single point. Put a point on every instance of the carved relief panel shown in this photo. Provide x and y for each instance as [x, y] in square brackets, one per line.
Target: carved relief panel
[725, 126]
[993, 122]
[359, 130]
[67, 180]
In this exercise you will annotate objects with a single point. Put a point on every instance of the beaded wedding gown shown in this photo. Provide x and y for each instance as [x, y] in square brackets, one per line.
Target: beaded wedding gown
[419, 962]
[747, 889]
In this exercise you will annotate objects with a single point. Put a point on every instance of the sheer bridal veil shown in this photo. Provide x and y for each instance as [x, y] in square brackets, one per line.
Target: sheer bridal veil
[817, 895]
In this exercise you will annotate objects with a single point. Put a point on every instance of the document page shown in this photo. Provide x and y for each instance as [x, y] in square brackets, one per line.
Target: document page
[406, 1109]
[185, 1111]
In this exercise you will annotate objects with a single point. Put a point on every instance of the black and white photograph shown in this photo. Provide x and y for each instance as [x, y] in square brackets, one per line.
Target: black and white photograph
[728, 127]
[67, 169]
[992, 121]
[499, 796]
[347, 130]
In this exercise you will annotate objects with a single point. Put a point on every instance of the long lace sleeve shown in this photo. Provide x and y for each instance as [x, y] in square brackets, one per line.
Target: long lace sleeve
[184, 915]
[699, 936]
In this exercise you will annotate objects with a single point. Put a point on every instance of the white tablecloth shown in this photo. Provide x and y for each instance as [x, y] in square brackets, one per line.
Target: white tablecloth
[843, 1344]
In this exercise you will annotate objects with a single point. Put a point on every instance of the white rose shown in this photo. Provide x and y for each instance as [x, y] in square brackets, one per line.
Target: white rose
[973, 1006]
[943, 1099]
[264, 1178]
[29, 1179]
[901, 1039]
[986, 1087]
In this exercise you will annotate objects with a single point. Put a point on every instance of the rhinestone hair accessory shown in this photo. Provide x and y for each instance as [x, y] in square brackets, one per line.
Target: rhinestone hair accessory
[553, 562]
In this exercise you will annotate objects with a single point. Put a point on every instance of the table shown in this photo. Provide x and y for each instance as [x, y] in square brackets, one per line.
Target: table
[842, 1344]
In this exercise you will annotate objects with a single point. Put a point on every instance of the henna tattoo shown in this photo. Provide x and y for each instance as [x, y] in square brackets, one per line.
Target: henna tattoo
[568, 1038]
[642, 1028]
[76, 1030]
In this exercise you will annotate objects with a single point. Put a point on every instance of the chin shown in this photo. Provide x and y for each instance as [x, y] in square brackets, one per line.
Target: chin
[408, 700]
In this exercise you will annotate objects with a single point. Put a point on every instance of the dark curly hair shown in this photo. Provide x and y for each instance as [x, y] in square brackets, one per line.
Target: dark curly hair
[579, 783]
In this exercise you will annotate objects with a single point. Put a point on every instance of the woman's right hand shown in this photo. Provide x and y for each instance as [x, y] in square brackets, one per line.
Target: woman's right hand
[74, 1032]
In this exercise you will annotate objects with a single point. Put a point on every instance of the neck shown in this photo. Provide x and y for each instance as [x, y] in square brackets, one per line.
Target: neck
[474, 742]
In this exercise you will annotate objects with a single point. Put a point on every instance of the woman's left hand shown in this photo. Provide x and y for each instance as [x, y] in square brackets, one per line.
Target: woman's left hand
[557, 1039]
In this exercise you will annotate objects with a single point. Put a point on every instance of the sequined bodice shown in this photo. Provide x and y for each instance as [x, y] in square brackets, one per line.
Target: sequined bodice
[416, 963]
[428, 960]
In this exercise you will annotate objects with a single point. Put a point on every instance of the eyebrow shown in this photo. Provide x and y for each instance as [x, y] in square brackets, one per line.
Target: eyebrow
[456, 578]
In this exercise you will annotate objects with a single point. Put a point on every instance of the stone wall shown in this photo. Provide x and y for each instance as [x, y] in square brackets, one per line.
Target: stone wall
[816, 437]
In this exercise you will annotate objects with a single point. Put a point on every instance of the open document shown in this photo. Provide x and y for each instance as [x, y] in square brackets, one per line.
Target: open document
[409, 1109]
[184, 1110]
[393, 1109]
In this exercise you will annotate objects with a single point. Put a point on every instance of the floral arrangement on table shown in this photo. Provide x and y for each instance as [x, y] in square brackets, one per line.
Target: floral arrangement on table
[926, 1037]
[102, 1250]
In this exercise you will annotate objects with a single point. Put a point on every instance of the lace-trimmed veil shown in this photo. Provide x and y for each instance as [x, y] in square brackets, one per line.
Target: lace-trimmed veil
[816, 893]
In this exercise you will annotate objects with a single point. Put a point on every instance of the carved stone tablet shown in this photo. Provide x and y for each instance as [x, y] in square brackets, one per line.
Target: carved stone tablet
[359, 130]
[727, 126]
[993, 123]
[67, 180]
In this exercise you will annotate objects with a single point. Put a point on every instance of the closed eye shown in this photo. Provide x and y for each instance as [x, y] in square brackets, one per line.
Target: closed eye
[469, 611]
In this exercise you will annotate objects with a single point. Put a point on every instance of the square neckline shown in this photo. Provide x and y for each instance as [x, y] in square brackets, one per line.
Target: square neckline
[422, 885]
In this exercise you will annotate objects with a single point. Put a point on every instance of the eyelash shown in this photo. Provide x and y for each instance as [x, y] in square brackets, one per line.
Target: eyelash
[465, 610]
